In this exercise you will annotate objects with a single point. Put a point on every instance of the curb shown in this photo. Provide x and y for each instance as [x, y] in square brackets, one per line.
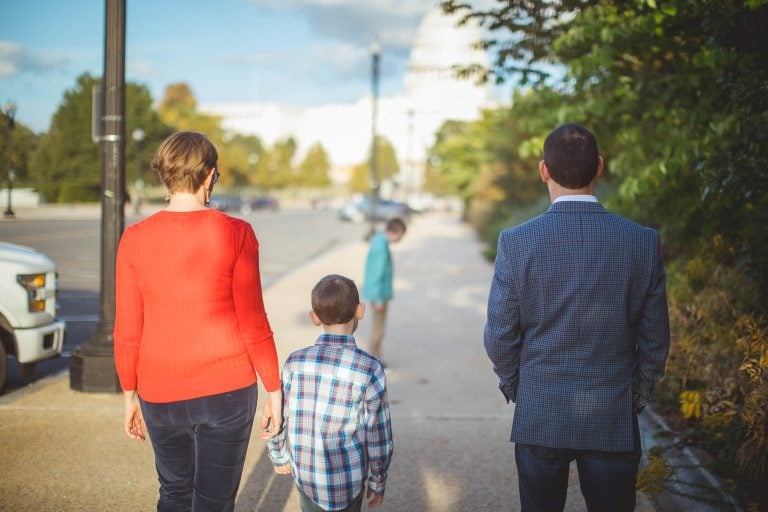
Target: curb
[33, 387]
[692, 486]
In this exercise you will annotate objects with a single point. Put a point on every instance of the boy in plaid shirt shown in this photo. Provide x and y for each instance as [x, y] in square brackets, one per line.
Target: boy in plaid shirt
[336, 431]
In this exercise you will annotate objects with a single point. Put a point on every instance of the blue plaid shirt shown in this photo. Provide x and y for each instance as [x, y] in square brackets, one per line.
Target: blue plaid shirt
[336, 427]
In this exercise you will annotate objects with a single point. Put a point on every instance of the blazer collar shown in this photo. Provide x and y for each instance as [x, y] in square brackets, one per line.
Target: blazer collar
[576, 207]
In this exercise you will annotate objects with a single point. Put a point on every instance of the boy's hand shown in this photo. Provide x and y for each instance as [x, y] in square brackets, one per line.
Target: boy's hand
[376, 499]
[285, 469]
[272, 415]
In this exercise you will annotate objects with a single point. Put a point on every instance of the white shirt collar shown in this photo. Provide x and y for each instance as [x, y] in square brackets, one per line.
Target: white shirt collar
[576, 197]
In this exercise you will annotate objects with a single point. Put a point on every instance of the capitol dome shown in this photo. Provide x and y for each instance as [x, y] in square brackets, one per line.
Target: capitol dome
[409, 119]
[440, 45]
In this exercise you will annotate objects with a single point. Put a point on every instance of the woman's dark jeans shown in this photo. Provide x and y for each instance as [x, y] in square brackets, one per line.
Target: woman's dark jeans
[200, 447]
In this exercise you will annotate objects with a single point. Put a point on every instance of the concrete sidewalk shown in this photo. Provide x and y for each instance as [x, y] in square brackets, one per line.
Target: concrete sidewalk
[62, 450]
[71, 211]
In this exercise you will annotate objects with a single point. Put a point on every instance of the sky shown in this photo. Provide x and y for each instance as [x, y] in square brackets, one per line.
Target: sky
[300, 52]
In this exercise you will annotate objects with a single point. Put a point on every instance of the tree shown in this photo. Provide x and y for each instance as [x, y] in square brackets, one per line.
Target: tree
[24, 144]
[387, 167]
[139, 115]
[675, 91]
[178, 109]
[360, 179]
[283, 173]
[481, 162]
[274, 169]
[313, 170]
[66, 166]
[457, 156]
[530, 28]
[242, 153]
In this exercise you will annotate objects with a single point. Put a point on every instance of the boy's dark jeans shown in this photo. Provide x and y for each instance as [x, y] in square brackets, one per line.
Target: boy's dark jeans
[200, 447]
[607, 479]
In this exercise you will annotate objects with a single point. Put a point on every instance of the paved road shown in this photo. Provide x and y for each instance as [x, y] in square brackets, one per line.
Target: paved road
[289, 238]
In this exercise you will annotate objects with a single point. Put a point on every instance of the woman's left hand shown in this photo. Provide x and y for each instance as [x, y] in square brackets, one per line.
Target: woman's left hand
[133, 422]
[272, 415]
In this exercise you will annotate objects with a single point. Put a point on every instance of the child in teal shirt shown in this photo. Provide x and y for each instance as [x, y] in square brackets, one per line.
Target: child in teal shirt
[377, 281]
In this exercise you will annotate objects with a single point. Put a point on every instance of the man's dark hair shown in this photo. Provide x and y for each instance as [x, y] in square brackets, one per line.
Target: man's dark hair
[571, 156]
[335, 299]
[395, 225]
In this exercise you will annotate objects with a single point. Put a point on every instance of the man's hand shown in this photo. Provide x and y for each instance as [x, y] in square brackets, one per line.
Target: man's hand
[375, 499]
[272, 415]
[133, 422]
[285, 469]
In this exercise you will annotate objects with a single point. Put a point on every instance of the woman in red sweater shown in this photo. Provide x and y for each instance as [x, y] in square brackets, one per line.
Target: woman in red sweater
[191, 334]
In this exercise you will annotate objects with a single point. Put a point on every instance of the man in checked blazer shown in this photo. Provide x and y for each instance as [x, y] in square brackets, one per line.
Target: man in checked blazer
[578, 333]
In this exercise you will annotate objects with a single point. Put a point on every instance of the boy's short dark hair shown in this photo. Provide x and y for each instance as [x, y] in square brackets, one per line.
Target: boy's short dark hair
[395, 225]
[335, 299]
[571, 156]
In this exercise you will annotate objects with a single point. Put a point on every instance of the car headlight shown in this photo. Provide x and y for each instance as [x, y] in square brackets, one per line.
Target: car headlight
[35, 286]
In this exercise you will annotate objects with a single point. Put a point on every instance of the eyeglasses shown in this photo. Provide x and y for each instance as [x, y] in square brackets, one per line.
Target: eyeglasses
[214, 179]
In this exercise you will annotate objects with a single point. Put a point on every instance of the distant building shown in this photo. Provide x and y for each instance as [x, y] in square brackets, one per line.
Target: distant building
[409, 120]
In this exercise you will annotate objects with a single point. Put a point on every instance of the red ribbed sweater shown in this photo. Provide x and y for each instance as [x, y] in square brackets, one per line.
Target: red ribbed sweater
[190, 319]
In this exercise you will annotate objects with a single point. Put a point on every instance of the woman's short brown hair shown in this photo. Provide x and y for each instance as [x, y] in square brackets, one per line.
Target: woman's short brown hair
[184, 160]
[335, 299]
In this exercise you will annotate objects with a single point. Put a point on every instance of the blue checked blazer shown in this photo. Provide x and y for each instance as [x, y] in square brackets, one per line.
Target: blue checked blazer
[578, 326]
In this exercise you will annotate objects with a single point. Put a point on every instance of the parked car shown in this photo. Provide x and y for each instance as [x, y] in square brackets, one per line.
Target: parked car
[226, 203]
[358, 211]
[29, 330]
[260, 203]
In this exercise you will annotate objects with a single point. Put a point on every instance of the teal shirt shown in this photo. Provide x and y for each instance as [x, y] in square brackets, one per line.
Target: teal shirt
[377, 282]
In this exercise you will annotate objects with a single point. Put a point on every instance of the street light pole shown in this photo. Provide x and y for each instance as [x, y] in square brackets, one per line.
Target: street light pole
[374, 184]
[92, 366]
[10, 112]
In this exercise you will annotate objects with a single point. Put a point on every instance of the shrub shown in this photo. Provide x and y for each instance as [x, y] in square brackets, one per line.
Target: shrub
[716, 382]
[77, 192]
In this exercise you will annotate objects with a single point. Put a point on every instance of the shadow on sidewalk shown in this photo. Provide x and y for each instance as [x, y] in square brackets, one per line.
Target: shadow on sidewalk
[264, 490]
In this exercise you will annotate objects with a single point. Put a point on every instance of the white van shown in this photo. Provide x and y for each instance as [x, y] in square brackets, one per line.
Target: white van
[29, 330]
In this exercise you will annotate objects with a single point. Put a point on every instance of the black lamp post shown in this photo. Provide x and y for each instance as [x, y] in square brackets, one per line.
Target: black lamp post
[10, 112]
[375, 53]
[92, 365]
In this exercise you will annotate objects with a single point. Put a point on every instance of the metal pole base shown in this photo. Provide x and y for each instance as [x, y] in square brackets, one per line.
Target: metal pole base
[92, 366]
